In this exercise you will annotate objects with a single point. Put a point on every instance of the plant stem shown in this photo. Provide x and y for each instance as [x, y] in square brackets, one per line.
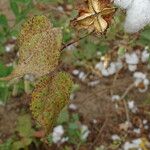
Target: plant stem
[15, 86]
[15, 89]
[74, 41]
[27, 86]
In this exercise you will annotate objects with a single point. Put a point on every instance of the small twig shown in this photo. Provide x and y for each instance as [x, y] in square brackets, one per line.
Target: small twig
[131, 86]
[124, 101]
[15, 89]
[27, 87]
[74, 41]
[100, 131]
[114, 80]
[126, 110]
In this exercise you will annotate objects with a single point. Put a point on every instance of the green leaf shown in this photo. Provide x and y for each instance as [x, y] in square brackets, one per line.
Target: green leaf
[14, 7]
[2, 37]
[24, 126]
[23, 143]
[3, 20]
[146, 34]
[4, 92]
[63, 117]
[5, 71]
[7, 145]
[73, 126]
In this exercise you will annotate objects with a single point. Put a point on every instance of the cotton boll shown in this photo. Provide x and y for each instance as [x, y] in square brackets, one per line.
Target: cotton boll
[72, 107]
[146, 127]
[115, 137]
[115, 98]
[145, 121]
[112, 69]
[75, 72]
[139, 75]
[82, 76]
[138, 16]
[132, 68]
[64, 139]
[99, 66]
[131, 104]
[57, 134]
[137, 130]
[132, 58]
[105, 72]
[145, 56]
[118, 65]
[146, 82]
[93, 83]
[123, 3]
[135, 144]
[143, 90]
[132, 107]
[9, 47]
[84, 132]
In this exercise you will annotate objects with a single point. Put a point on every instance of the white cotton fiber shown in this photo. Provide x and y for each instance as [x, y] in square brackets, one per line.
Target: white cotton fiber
[138, 14]
[123, 3]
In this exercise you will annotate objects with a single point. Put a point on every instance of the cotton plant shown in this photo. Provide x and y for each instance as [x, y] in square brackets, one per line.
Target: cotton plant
[137, 14]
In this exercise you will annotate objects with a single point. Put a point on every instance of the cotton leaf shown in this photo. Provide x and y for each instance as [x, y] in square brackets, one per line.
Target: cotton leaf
[39, 49]
[33, 26]
[49, 97]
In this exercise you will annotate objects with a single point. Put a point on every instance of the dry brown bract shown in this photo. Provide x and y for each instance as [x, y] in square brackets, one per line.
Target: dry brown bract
[96, 15]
